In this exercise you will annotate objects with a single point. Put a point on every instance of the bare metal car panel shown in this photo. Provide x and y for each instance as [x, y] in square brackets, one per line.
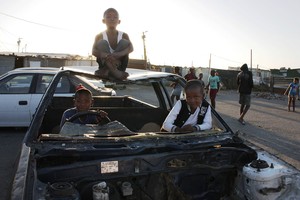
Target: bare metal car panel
[129, 158]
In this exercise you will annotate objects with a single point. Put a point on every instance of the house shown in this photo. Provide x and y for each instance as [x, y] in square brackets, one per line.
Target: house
[10, 61]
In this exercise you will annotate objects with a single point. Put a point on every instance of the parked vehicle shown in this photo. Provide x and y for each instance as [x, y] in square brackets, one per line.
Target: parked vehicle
[129, 158]
[22, 89]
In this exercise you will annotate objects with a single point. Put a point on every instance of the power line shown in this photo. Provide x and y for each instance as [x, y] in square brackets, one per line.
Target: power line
[227, 59]
[230, 59]
[36, 23]
[7, 31]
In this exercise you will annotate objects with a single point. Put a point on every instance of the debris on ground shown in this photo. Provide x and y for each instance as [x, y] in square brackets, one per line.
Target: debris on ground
[269, 96]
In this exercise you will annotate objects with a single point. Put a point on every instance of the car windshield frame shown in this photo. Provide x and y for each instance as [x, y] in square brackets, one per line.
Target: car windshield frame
[164, 102]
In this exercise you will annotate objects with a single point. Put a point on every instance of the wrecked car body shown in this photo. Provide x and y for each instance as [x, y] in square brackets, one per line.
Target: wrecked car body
[130, 158]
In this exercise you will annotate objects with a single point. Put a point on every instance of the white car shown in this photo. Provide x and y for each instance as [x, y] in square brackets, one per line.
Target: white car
[22, 89]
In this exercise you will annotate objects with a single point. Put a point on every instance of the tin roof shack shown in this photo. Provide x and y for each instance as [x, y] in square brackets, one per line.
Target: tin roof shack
[7, 63]
[283, 72]
[17, 60]
[137, 64]
[281, 78]
[43, 61]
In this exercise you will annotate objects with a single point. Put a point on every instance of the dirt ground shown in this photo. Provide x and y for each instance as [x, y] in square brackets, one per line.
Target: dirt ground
[268, 123]
[10, 144]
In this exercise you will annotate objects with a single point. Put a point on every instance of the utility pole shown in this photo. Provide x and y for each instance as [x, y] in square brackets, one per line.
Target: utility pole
[19, 42]
[251, 60]
[145, 52]
[209, 62]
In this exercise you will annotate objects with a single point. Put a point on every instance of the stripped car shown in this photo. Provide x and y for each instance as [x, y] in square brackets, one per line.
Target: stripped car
[128, 157]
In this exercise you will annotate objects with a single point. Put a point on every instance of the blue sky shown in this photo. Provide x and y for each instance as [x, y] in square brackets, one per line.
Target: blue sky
[179, 32]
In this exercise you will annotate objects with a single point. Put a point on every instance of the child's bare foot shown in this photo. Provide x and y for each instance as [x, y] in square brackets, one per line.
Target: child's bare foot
[118, 75]
[114, 72]
[102, 73]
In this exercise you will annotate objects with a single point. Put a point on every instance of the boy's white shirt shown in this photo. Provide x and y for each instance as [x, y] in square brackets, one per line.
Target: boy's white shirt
[120, 36]
[192, 120]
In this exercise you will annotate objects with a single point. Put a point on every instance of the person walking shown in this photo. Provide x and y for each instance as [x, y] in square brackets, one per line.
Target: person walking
[293, 92]
[200, 79]
[176, 91]
[245, 85]
[191, 75]
[213, 86]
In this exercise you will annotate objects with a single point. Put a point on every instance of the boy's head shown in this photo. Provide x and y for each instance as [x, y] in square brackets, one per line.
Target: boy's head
[111, 17]
[212, 72]
[110, 10]
[194, 93]
[192, 70]
[83, 99]
[296, 80]
[177, 70]
[244, 67]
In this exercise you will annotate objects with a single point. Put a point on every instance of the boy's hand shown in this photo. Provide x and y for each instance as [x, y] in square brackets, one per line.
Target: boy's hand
[102, 113]
[186, 128]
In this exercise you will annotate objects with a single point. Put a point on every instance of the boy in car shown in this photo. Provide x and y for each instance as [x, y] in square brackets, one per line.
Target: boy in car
[83, 100]
[191, 114]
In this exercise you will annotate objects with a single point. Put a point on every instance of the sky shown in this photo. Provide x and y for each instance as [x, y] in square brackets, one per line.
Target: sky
[199, 33]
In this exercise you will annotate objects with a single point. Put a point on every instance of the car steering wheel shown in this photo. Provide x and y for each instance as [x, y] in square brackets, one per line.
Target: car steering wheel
[104, 120]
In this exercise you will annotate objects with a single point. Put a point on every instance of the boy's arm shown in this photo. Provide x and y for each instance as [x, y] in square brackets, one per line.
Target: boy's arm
[251, 79]
[287, 90]
[168, 124]
[95, 51]
[63, 119]
[125, 51]
[207, 121]
[207, 86]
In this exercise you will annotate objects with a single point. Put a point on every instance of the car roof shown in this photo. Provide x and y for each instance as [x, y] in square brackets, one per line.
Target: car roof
[51, 70]
[134, 74]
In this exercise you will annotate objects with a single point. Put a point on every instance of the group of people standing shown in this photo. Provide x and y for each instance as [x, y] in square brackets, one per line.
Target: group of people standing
[212, 87]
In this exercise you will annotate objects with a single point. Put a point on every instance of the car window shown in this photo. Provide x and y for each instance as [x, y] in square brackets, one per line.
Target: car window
[43, 83]
[64, 85]
[95, 82]
[19, 84]
[142, 91]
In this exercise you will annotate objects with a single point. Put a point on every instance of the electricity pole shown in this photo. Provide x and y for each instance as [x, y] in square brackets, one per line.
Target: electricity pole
[209, 64]
[145, 52]
[251, 60]
[19, 42]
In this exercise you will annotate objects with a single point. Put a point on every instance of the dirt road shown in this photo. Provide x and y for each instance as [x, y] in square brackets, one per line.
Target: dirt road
[268, 123]
[10, 144]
